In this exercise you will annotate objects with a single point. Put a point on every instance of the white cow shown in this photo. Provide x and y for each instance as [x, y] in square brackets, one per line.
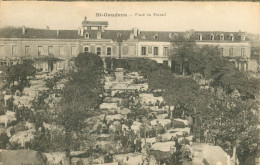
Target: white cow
[136, 126]
[129, 159]
[7, 118]
[163, 122]
[22, 137]
[163, 146]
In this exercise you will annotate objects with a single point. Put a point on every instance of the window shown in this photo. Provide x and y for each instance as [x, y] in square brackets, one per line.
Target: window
[50, 50]
[86, 49]
[211, 37]
[40, 50]
[61, 48]
[200, 37]
[222, 37]
[155, 51]
[221, 51]
[156, 37]
[143, 51]
[27, 50]
[166, 51]
[98, 50]
[14, 50]
[86, 35]
[73, 50]
[243, 38]
[232, 37]
[230, 51]
[109, 51]
[242, 52]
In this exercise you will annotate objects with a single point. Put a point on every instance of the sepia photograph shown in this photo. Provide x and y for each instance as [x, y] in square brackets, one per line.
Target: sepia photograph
[129, 83]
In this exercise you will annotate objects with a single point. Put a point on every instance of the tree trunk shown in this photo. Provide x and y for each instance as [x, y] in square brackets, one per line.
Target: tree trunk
[67, 146]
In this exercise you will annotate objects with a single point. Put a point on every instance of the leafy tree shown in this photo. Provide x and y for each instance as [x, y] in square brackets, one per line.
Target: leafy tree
[19, 72]
[81, 95]
[226, 119]
[159, 79]
[182, 91]
[182, 52]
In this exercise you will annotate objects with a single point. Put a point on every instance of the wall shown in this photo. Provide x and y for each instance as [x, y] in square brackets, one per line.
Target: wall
[227, 45]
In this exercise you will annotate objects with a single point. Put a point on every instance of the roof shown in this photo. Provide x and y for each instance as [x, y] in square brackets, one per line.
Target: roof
[94, 23]
[38, 33]
[117, 35]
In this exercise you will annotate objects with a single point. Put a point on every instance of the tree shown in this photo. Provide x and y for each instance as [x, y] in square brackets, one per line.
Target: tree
[159, 79]
[182, 52]
[182, 91]
[19, 72]
[81, 95]
[226, 119]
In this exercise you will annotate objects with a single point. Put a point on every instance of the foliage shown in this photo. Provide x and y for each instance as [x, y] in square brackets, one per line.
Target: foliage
[81, 95]
[19, 72]
[228, 119]
[159, 79]
[182, 91]
[25, 114]
[39, 103]
[142, 65]
[4, 140]
[182, 53]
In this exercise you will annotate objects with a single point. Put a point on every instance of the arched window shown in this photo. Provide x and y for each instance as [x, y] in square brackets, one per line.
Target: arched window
[232, 37]
[200, 37]
[222, 37]
[156, 36]
[86, 35]
[243, 38]
[170, 35]
[211, 37]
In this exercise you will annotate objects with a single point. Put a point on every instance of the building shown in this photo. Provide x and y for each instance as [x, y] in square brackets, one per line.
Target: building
[17, 44]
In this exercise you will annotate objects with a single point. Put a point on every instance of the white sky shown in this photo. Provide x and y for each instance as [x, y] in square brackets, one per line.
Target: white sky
[180, 16]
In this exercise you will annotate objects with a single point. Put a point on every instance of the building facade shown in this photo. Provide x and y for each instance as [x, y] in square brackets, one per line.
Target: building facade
[17, 44]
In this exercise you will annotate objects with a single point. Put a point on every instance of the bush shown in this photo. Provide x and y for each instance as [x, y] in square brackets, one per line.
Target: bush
[4, 140]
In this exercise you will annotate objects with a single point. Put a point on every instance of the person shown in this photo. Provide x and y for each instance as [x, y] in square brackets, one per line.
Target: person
[174, 157]
[138, 145]
[190, 121]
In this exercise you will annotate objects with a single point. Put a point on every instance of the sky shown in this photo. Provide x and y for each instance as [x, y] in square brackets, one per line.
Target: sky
[176, 16]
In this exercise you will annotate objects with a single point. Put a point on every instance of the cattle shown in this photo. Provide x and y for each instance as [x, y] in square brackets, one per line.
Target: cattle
[129, 159]
[8, 118]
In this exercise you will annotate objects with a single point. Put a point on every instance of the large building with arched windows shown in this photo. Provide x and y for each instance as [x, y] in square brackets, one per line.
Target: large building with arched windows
[17, 44]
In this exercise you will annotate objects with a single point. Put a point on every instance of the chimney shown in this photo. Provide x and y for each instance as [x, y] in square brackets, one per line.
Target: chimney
[79, 31]
[82, 32]
[58, 32]
[23, 29]
[85, 19]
